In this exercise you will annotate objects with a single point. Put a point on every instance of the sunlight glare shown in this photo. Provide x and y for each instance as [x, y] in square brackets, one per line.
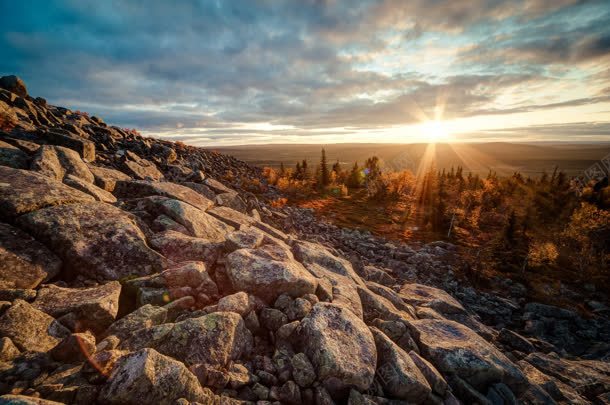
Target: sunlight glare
[435, 131]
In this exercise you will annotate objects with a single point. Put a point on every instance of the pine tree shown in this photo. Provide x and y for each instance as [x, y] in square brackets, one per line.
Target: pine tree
[304, 170]
[324, 173]
[354, 178]
[298, 173]
[282, 170]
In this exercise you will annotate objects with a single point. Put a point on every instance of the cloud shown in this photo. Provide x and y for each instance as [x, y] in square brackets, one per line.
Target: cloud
[323, 64]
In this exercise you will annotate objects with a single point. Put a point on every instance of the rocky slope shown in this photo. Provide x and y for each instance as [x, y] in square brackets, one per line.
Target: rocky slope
[134, 270]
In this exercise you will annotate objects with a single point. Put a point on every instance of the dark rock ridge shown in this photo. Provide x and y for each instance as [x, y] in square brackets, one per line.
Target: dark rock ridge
[135, 270]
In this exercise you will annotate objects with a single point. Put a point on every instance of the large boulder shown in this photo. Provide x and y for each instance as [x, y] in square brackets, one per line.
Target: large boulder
[149, 377]
[96, 240]
[340, 346]
[107, 178]
[93, 308]
[214, 339]
[98, 193]
[140, 188]
[14, 84]
[456, 349]
[268, 272]
[376, 306]
[12, 156]
[24, 262]
[58, 162]
[144, 317]
[179, 247]
[10, 399]
[398, 374]
[22, 191]
[439, 300]
[84, 147]
[197, 222]
[31, 329]
[310, 253]
[140, 168]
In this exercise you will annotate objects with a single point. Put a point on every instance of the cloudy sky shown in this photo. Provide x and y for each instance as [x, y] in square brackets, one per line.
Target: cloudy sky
[321, 71]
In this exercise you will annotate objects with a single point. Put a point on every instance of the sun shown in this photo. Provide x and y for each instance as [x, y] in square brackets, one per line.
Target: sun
[435, 131]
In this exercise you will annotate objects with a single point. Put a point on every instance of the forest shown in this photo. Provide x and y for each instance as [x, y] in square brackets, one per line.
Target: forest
[548, 227]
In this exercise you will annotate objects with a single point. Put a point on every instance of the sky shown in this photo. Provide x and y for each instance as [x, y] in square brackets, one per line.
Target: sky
[321, 71]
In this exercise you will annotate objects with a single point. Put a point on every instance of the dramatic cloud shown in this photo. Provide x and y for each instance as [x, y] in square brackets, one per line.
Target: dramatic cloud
[214, 72]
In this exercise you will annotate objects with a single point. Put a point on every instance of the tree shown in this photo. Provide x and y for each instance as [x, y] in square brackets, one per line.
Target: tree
[282, 170]
[354, 180]
[324, 173]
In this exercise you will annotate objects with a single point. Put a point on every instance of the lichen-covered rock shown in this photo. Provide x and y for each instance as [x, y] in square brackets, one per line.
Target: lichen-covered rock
[399, 376]
[84, 147]
[439, 300]
[455, 349]
[31, 329]
[106, 178]
[213, 339]
[12, 156]
[238, 303]
[140, 168]
[24, 262]
[8, 350]
[231, 200]
[58, 162]
[22, 191]
[434, 378]
[339, 345]
[248, 238]
[268, 272]
[310, 253]
[302, 370]
[98, 193]
[140, 188]
[96, 240]
[75, 348]
[376, 306]
[179, 247]
[144, 317]
[196, 221]
[147, 376]
[81, 309]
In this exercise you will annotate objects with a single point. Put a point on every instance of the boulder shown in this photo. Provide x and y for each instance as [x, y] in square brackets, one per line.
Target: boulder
[231, 200]
[8, 350]
[238, 303]
[545, 389]
[179, 247]
[12, 157]
[302, 370]
[24, 262]
[310, 253]
[268, 272]
[96, 240]
[140, 168]
[22, 191]
[340, 347]
[201, 189]
[149, 377]
[144, 317]
[84, 147]
[14, 84]
[589, 378]
[455, 349]
[214, 339]
[397, 373]
[439, 300]
[75, 348]
[89, 188]
[81, 309]
[376, 306]
[140, 188]
[197, 222]
[246, 238]
[31, 329]
[57, 162]
[434, 378]
[107, 178]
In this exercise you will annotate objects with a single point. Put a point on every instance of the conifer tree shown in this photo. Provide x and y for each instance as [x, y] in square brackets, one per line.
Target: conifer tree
[324, 173]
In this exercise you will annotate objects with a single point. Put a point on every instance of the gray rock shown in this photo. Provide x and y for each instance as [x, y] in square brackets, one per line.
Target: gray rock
[24, 262]
[23, 191]
[12, 157]
[93, 308]
[89, 188]
[30, 329]
[106, 178]
[139, 188]
[339, 345]
[268, 272]
[57, 162]
[398, 374]
[180, 248]
[96, 240]
[149, 377]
